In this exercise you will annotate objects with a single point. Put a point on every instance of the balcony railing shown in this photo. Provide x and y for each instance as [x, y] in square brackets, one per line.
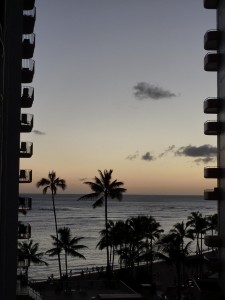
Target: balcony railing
[28, 68]
[28, 45]
[212, 194]
[29, 17]
[211, 62]
[24, 231]
[211, 4]
[26, 122]
[211, 40]
[212, 128]
[212, 172]
[27, 97]
[213, 241]
[25, 203]
[212, 105]
[25, 176]
[28, 4]
[26, 149]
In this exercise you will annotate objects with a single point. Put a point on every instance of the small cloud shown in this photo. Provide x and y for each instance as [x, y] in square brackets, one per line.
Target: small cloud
[83, 179]
[144, 90]
[147, 156]
[38, 132]
[169, 149]
[133, 156]
[193, 151]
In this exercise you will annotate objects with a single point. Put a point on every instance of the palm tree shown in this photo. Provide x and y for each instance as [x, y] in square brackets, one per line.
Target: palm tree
[53, 183]
[212, 222]
[153, 233]
[172, 250]
[198, 225]
[111, 241]
[66, 243]
[29, 251]
[104, 188]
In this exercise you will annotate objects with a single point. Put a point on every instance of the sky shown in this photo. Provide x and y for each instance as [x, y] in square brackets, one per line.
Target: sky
[120, 84]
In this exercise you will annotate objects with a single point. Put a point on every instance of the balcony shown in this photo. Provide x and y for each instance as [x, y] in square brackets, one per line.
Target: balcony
[24, 203]
[212, 105]
[24, 231]
[26, 149]
[212, 194]
[211, 40]
[28, 45]
[25, 176]
[28, 68]
[28, 4]
[212, 128]
[213, 241]
[211, 4]
[26, 122]
[211, 62]
[212, 172]
[22, 262]
[27, 97]
[29, 18]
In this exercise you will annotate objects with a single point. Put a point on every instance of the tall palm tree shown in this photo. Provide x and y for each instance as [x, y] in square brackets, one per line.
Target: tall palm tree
[29, 251]
[52, 183]
[104, 188]
[66, 243]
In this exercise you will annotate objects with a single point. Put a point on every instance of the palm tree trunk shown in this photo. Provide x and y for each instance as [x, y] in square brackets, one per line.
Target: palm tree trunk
[151, 261]
[57, 237]
[66, 264]
[178, 281]
[107, 236]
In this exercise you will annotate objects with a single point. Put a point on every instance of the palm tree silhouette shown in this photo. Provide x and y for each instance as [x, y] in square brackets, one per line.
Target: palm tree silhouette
[66, 243]
[198, 225]
[29, 251]
[212, 222]
[153, 232]
[53, 183]
[172, 250]
[104, 188]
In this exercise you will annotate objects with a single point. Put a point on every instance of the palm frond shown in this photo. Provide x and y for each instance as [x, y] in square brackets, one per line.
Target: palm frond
[98, 203]
[90, 196]
[42, 182]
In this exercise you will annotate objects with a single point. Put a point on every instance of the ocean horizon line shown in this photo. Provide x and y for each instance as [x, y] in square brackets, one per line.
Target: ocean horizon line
[185, 195]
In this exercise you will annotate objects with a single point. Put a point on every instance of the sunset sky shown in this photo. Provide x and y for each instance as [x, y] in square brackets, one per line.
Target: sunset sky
[119, 84]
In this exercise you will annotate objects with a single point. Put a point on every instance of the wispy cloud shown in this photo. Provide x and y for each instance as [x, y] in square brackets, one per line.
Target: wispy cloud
[83, 179]
[168, 150]
[38, 132]
[144, 90]
[147, 156]
[204, 160]
[133, 156]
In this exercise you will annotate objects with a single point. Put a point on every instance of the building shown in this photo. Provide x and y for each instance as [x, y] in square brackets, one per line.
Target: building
[214, 42]
[17, 19]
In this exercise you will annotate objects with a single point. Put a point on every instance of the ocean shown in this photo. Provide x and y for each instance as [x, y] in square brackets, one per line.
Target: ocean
[84, 221]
